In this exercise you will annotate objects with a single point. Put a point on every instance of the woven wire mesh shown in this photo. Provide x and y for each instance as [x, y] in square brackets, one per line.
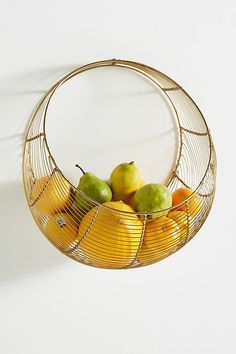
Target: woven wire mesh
[105, 237]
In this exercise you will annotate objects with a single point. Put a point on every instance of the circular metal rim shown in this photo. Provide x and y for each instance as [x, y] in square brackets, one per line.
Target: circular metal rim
[133, 66]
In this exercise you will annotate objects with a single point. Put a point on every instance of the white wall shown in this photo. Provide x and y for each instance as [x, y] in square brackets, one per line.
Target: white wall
[49, 303]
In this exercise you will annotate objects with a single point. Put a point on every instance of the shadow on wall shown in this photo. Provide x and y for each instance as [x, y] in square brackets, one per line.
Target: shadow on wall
[24, 251]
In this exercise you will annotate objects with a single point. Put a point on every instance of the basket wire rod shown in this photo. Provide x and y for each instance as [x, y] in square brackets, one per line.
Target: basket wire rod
[50, 93]
[141, 241]
[69, 76]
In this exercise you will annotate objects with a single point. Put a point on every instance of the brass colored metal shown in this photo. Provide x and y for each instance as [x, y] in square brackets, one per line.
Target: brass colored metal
[134, 241]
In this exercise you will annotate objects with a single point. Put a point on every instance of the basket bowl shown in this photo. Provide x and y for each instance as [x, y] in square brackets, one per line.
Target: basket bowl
[107, 236]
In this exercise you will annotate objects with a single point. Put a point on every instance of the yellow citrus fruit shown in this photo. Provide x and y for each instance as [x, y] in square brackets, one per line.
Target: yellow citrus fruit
[110, 238]
[194, 203]
[62, 230]
[148, 255]
[125, 180]
[181, 219]
[51, 194]
[162, 236]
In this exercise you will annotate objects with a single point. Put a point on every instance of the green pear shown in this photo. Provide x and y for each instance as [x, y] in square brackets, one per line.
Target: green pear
[125, 180]
[93, 187]
[153, 198]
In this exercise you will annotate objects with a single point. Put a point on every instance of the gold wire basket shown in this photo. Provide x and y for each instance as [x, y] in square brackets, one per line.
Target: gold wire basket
[108, 237]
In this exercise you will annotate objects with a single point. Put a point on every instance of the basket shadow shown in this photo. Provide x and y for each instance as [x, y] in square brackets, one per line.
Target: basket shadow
[23, 252]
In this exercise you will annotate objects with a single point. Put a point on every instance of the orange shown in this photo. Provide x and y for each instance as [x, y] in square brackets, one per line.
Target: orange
[161, 237]
[51, 194]
[193, 204]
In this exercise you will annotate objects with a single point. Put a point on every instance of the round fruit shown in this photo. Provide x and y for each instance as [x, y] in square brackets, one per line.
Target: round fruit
[161, 237]
[125, 180]
[51, 194]
[147, 255]
[193, 204]
[110, 238]
[182, 220]
[62, 230]
[153, 197]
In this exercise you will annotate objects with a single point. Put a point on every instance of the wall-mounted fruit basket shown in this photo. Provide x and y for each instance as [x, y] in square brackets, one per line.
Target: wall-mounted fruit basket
[112, 235]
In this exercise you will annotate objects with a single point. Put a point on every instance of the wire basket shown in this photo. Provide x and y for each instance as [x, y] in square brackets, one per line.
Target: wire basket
[106, 237]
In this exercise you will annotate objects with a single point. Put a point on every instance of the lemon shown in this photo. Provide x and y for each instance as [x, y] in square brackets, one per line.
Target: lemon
[110, 238]
[62, 230]
[51, 194]
[125, 180]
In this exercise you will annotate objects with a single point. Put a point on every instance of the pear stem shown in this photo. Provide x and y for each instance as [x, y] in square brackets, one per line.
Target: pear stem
[131, 163]
[80, 169]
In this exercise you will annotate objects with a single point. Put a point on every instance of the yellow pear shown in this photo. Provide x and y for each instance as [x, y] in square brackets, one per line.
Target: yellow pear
[124, 181]
[62, 230]
[110, 238]
[51, 194]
